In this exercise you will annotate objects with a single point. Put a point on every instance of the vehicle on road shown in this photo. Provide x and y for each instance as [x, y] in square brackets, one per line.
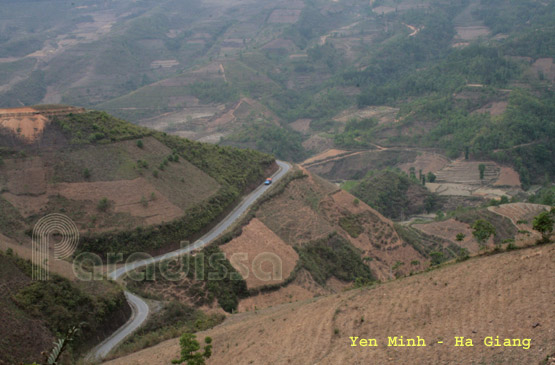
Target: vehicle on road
[268, 181]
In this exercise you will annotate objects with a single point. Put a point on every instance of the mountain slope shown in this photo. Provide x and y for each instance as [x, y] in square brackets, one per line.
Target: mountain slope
[127, 188]
[507, 295]
[34, 312]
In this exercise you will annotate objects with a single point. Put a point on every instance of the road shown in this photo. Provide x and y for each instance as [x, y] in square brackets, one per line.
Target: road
[139, 307]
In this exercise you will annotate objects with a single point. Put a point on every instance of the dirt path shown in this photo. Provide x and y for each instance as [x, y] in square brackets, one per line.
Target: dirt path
[517, 146]
[223, 72]
[414, 30]
[326, 36]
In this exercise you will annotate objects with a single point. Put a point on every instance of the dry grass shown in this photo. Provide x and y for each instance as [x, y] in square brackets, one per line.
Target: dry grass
[258, 242]
[449, 229]
[508, 295]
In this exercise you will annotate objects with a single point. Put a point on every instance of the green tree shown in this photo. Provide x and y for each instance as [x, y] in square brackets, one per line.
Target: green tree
[412, 174]
[140, 143]
[431, 177]
[189, 350]
[482, 169]
[460, 236]
[543, 223]
[103, 205]
[482, 230]
[436, 257]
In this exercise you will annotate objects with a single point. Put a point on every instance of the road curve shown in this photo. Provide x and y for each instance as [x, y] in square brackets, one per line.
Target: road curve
[139, 306]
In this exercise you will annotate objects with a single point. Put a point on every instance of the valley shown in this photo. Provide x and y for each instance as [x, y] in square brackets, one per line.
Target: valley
[410, 146]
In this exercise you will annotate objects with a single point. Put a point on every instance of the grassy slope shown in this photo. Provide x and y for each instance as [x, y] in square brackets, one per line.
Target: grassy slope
[201, 179]
[234, 170]
[501, 295]
[43, 309]
[394, 194]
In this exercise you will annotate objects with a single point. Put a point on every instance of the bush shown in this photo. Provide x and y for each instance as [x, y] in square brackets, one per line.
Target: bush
[189, 350]
[332, 256]
[103, 205]
[482, 230]
[436, 257]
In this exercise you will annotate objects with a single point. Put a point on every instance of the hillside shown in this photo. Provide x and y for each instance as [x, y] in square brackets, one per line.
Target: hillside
[395, 195]
[119, 183]
[35, 313]
[305, 238]
[297, 78]
[308, 238]
[506, 295]
[411, 144]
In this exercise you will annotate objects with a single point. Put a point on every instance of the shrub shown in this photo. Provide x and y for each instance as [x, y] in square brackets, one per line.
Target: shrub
[482, 230]
[140, 143]
[436, 257]
[543, 223]
[352, 225]
[189, 350]
[103, 205]
[460, 236]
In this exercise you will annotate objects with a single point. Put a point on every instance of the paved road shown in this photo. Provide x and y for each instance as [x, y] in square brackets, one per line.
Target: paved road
[139, 307]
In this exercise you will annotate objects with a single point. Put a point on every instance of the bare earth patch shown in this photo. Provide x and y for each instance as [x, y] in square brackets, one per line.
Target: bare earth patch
[25, 176]
[261, 257]
[318, 143]
[27, 128]
[164, 63]
[384, 114]
[449, 229]
[493, 108]
[507, 177]
[288, 16]
[471, 33]
[509, 295]
[324, 155]
[546, 67]
[301, 125]
[26, 205]
[126, 195]
[302, 288]
[427, 162]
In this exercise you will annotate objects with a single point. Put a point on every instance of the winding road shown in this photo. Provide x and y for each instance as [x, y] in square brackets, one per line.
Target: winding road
[139, 307]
